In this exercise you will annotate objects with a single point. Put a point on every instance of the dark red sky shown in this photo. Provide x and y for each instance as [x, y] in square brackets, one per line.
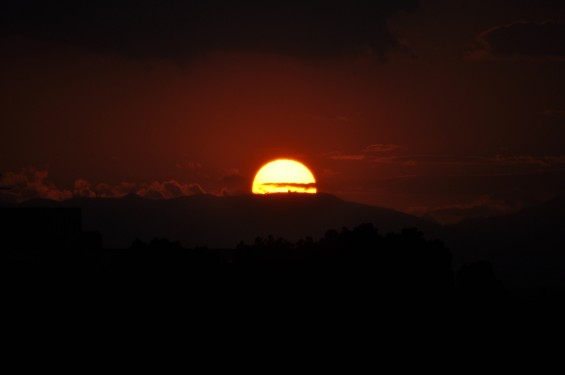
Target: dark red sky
[451, 108]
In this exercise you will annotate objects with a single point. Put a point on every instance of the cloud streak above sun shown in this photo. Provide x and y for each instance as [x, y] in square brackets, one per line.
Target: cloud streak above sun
[290, 184]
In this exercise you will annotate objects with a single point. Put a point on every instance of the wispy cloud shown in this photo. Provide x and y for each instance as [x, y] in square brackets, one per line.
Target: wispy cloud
[168, 189]
[522, 40]
[232, 177]
[542, 161]
[388, 154]
[494, 204]
[381, 148]
[34, 183]
[554, 113]
[369, 153]
[192, 166]
[29, 184]
[346, 157]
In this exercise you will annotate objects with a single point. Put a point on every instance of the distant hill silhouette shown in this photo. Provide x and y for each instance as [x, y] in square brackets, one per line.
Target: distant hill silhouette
[537, 230]
[527, 248]
[222, 222]
[360, 277]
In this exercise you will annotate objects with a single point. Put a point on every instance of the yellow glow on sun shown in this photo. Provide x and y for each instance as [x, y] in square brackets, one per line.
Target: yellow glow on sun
[284, 176]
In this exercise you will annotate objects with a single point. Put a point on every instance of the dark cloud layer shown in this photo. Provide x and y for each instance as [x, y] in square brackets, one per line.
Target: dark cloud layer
[184, 29]
[544, 40]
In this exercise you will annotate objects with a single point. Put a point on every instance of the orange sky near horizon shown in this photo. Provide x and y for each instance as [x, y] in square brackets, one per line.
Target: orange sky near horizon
[425, 128]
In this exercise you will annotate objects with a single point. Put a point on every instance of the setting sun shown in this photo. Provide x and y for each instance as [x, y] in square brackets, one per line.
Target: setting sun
[284, 176]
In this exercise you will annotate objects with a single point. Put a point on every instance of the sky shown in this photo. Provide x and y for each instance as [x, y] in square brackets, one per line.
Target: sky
[446, 109]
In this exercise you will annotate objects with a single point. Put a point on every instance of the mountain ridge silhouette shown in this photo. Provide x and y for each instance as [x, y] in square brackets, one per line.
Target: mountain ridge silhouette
[526, 248]
[533, 230]
[224, 221]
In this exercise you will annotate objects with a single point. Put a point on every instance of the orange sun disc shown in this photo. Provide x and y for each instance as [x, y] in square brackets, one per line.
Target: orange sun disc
[284, 176]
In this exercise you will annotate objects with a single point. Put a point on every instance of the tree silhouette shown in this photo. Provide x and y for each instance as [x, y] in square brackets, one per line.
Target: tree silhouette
[359, 273]
[358, 266]
[477, 284]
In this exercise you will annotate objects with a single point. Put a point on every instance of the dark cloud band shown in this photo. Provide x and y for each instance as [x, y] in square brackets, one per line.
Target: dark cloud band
[185, 29]
[290, 184]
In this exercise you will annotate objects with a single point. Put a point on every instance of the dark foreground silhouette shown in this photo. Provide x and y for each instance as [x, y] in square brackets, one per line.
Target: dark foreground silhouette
[348, 283]
[349, 273]
[341, 265]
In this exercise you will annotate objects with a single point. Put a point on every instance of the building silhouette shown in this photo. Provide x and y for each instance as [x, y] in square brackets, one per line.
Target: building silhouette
[44, 230]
